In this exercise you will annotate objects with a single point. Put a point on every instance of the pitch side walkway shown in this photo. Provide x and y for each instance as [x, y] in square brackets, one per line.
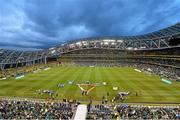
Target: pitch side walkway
[94, 101]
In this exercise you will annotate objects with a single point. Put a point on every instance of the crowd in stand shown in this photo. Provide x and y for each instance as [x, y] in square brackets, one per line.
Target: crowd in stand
[101, 111]
[34, 110]
[13, 72]
[168, 72]
[133, 112]
[146, 112]
[12, 109]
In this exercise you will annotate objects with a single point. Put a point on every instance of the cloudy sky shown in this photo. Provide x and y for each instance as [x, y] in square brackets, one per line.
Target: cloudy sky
[34, 24]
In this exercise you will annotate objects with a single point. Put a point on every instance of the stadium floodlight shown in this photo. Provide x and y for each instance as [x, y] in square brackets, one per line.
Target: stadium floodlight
[109, 40]
[78, 43]
[106, 43]
[71, 45]
[51, 48]
[113, 43]
[143, 47]
[129, 48]
[53, 51]
[120, 41]
[85, 43]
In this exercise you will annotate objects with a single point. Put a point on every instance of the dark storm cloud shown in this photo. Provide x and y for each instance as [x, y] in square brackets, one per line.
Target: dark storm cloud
[44, 23]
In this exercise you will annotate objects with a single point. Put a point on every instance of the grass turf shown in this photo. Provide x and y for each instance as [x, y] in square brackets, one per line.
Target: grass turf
[149, 87]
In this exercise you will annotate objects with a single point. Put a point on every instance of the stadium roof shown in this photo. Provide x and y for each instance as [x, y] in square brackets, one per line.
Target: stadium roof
[166, 32]
[155, 40]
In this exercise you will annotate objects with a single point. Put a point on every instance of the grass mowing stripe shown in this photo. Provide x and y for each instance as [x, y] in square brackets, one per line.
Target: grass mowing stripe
[110, 81]
[65, 91]
[100, 89]
[72, 93]
[131, 83]
[86, 77]
[73, 88]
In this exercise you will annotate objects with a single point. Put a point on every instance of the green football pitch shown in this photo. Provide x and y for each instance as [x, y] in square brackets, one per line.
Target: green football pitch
[142, 86]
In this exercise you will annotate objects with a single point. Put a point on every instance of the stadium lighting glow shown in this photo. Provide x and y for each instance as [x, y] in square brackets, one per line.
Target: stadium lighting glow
[85, 43]
[113, 43]
[53, 51]
[106, 43]
[71, 45]
[129, 48]
[120, 41]
[51, 48]
[109, 40]
[78, 43]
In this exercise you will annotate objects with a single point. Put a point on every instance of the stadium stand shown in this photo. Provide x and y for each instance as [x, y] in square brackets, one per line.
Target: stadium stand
[125, 111]
[34, 110]
[14, 109]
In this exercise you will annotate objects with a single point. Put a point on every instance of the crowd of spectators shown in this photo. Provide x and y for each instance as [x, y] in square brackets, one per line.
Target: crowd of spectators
[35, 110]
[16, 109]
[13, 72]
[167, 72]
[126, 111]
[101, 111]
[148, 112]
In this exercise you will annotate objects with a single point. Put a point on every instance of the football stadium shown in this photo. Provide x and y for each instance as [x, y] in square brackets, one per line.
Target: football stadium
[133, 69]
[106, 77]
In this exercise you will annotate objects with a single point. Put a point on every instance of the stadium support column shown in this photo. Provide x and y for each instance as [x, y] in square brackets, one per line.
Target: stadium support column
[45, 60]
[2, 70]
[2, 66]
[34, 61]
[16, 64]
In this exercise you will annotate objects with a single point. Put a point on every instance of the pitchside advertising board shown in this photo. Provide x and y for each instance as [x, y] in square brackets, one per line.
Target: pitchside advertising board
[19, 77]
[115, 88]
[166, 81]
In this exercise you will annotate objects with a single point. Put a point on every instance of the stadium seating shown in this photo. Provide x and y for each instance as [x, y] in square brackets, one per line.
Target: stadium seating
[19, 109]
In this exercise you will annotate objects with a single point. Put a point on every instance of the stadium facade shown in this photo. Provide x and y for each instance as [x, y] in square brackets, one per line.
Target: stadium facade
[159, 47]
